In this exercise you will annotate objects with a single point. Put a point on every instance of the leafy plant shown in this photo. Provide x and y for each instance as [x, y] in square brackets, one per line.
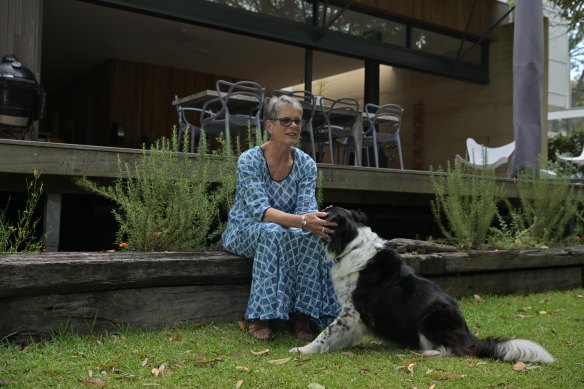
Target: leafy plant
[21, 237]
[465, 205]
[169, 202]
[547, 205]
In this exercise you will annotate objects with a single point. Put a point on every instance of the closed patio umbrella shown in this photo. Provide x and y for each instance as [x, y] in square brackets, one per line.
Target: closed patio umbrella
[527, 84]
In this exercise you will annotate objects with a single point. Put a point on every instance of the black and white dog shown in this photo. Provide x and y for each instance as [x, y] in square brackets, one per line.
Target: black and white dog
[379, 293]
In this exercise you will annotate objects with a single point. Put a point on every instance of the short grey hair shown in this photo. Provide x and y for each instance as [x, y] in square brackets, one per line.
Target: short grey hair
[276, 103]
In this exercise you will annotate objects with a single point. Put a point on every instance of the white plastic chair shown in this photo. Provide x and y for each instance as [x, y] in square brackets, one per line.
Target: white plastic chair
[482, 157]
[578, 160]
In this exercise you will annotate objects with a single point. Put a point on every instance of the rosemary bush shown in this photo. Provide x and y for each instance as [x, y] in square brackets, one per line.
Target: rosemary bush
[547, 207]
[167, 202]
[465, 205]
[20, 237]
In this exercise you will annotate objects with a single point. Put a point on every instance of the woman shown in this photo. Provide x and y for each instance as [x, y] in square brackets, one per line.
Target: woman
[275, 220]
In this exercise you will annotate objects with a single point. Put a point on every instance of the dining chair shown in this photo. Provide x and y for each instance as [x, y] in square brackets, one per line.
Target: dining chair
[241, 106]
[384, 127]
[307, 100]
[187, 127]
[337, 130]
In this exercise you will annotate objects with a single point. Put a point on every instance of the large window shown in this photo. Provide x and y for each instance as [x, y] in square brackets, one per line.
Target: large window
[363, 25]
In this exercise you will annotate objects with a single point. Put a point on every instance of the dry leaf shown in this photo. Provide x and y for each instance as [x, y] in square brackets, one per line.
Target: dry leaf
[432, 386]
[197, 325]
[261, 352]
[158, 371]
[94, 382]
[314, 385]
[279, 361]
[542, 312]
[410, 368]
[523, 367]
[241, 368]
[174, 338]
[90, 373]
[238, 384]
[446, 376]
[209, 361]
[477, 298]
[144, 362]
[242, 324]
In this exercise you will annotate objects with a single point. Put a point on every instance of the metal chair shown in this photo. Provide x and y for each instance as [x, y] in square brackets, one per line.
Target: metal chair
[240, 106]
[340, 118]
[384, 127]
[185, 126]
[482, 157]
[307, 100]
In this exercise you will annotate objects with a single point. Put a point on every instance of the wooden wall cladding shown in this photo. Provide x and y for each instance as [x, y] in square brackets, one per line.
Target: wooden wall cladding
[20, 31]
[135, 96]
[141, 96]
[446, 14]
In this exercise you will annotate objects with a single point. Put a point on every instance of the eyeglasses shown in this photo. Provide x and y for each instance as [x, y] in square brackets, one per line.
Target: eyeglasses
[287, 122]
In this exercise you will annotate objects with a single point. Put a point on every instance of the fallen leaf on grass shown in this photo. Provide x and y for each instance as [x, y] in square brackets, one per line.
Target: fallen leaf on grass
[158, 371]
[242, 324]
[261, 352]
[446, 376]
[314, 385]
[522, 316]
[174, 338]
[523, 367]
[94, 382]
[477, 298]
[196, 325]
[542, 312]
[408, 366]
[238, 384]
[241, 368]
[209, 361]
[144, 362]
[279, 361]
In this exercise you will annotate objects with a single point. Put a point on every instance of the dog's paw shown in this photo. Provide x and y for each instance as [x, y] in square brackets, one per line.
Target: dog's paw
[299, 350]
[431, 353]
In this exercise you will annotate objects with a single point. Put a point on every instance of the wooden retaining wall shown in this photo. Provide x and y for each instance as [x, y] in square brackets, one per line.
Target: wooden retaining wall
[96, 292]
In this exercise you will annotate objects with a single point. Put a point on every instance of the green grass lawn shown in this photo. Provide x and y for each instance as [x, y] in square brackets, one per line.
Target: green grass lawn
[224, 356]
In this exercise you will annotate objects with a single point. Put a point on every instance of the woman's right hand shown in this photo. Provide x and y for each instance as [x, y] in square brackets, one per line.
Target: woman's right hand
[317, 224]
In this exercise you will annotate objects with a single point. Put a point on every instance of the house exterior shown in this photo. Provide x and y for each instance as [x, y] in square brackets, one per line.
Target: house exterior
[111, 68]
[448, 63]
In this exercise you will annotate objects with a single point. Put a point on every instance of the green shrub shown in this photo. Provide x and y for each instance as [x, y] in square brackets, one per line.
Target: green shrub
[465, 205]
[21, 237]
[168, 202]
[547, 206]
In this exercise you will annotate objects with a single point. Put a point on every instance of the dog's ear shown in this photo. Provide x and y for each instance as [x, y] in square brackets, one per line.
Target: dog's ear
[359, 216]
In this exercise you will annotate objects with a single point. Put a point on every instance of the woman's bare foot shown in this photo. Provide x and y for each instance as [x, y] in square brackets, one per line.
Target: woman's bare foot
[301, 327]
[260, 330]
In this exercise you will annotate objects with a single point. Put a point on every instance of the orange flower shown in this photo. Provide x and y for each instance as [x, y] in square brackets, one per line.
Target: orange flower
[122, 245]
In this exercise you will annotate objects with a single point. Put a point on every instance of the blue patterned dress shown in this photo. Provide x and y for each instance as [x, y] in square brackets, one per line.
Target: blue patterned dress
[290, 273]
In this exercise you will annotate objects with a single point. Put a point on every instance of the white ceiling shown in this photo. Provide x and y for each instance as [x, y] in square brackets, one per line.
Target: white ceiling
[78, 37]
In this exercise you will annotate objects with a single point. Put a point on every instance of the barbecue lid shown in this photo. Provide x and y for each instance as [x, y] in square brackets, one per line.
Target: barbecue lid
[12, 69]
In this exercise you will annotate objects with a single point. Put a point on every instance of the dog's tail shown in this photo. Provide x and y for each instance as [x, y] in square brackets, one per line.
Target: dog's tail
[512, 350]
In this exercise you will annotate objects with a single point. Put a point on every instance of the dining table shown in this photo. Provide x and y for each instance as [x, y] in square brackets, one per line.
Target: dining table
[244, 103]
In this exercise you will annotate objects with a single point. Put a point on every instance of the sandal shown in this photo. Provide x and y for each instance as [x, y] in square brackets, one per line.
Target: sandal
[302, 328]
[260, 330]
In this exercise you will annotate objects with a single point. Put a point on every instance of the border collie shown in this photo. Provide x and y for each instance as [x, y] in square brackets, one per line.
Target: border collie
[380, 294]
